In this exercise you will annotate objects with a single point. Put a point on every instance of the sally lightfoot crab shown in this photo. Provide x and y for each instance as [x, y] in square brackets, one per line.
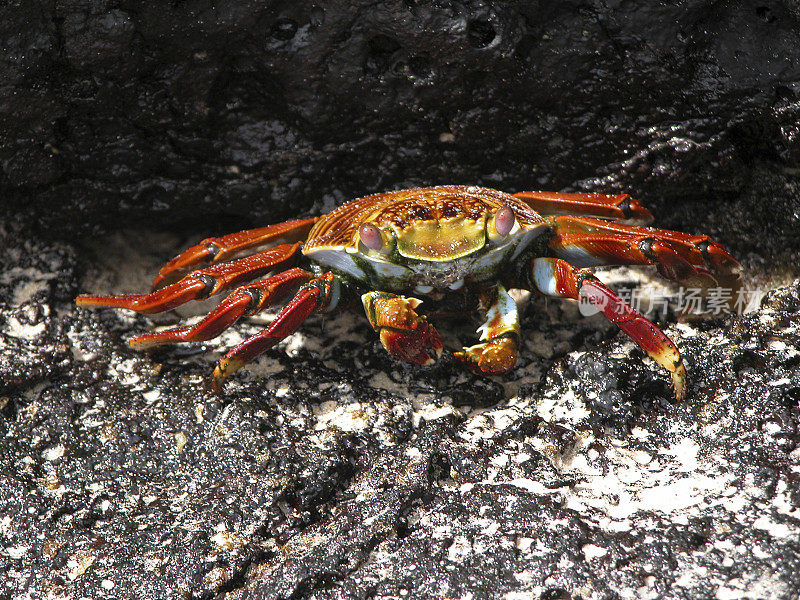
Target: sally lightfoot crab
[450, 245]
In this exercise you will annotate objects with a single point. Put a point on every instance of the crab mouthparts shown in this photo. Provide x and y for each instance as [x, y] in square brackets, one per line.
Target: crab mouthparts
[441, 239]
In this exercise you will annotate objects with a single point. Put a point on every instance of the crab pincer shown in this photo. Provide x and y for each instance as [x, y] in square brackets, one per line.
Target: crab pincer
[500, 334]
[405, 334]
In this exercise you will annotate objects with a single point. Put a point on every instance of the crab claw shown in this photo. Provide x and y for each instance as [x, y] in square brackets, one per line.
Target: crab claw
[497, 352]
[405, 334]
[494, 357]
[413, 345]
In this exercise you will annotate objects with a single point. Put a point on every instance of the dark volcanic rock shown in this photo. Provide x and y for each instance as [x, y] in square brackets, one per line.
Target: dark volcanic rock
[142, 113]
[327, 470]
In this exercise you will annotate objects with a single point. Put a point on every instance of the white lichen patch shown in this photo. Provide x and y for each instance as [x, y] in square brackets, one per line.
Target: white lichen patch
[78, 346]
[27, 290]
[566, 409]
[430, 411]
[459, 549]
[485, 424]
[777, 530]
[16, 552]
[635, 485]
[684, 451]
[151, 396]
[27, 282]
[16, 328]
[266, 368]
[355, 417]
[79, 563]
[591, 552]
[126, 372]
[228, 540]
[54, 453]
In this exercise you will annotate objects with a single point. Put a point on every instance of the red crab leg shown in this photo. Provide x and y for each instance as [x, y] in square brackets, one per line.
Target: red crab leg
[199, 284]
[556, 277]
[215, 250]
[405, 334]
[588, 242]
[620, 207]
[497, 352]
[316, 295]
[246, 300]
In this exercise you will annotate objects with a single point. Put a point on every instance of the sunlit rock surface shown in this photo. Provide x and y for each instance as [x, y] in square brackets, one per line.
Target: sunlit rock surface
[328, 470]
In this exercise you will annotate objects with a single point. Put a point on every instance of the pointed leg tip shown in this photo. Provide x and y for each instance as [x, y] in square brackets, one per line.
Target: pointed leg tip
[162, 338]
[158, 283]
[217, 380]
[129, 301]
[679, 382]
[137, 343]
[224, 369]
[148, 341]
[88, 301]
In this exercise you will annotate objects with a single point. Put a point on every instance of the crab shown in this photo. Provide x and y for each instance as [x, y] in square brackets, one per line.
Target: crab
[454, 246]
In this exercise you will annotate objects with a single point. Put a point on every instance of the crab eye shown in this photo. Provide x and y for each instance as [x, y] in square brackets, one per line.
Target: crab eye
[370, 236]
[504, 221]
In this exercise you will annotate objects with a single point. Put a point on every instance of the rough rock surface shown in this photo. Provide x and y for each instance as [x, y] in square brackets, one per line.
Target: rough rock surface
[328, 470]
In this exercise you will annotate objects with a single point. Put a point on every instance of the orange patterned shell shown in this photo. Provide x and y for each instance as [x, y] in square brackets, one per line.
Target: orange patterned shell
[401, 208]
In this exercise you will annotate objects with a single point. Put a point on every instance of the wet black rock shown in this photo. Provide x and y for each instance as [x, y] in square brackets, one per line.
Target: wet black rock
[327, 469]
[157, 115]
[330, 471]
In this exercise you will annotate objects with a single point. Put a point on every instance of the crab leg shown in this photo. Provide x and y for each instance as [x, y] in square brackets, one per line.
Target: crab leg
[246, 300]
[215, 250]
[405, 334]
[619, 208]
[586, 242]
[556, 277]
[319, 294]
[199, 284]
[500, 335]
